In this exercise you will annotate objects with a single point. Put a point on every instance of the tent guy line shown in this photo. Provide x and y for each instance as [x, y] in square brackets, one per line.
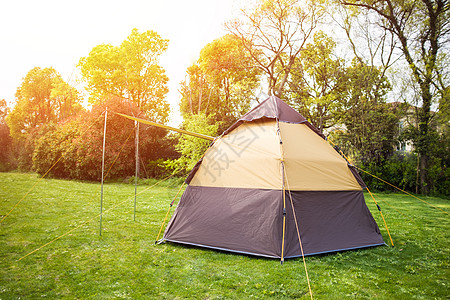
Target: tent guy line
[403, 191]
[379, 209]
[298, 235]
[95, 217]
[168, 211]
[48, 171]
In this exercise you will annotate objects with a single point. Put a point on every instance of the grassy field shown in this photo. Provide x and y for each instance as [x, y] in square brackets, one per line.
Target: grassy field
[124, 262]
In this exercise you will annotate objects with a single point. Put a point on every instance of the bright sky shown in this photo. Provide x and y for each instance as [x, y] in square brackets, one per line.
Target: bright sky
[55, 33]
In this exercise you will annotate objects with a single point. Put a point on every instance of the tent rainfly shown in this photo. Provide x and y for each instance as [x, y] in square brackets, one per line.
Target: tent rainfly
[268, 182]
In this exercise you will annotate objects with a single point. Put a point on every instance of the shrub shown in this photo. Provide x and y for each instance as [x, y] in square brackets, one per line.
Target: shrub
[80, 143]
[401, 170]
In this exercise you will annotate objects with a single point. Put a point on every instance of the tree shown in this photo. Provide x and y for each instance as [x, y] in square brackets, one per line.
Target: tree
[66, 99]
[3, 110]
[129, 71]
[421, 28]
[371, 124]
[274, 33]
[42, 98]
[318, 82]
[5, 139]
[192, 148]
[221, 83]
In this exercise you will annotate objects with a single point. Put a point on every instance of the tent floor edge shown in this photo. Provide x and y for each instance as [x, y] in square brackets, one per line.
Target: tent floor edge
[275, 257]
[223, 249]
[336, 251]
[161, 241]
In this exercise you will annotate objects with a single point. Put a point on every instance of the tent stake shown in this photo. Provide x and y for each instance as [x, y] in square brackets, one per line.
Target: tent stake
[103, 171]
[137, 168]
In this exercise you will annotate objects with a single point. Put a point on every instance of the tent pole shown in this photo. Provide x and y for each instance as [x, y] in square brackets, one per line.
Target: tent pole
[379, 209]
[283, 189]
[202, 136]
[103, 171]
[285, 183]
[137, 168]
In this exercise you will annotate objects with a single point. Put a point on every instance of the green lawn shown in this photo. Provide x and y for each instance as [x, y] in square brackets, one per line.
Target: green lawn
[125, 263]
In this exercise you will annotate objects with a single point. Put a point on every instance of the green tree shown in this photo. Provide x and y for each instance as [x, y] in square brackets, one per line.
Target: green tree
[422, 28]
[42, 98]
[221, 83]
[129, 71]
[274, 33]
[318, 82]
[66, 99]
[371, 124]
[6, 161]
[192, 148]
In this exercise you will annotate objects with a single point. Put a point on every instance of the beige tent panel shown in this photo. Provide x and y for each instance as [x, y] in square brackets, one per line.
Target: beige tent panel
[247, 157]
[250, 157]
[312, 164]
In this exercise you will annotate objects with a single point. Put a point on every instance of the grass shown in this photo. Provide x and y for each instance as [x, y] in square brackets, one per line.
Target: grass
[125, 263]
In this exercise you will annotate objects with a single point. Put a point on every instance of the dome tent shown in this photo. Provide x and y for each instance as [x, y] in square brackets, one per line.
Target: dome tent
[268, 181]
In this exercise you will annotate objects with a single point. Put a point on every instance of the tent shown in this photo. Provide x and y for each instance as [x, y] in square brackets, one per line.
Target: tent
[269, 184]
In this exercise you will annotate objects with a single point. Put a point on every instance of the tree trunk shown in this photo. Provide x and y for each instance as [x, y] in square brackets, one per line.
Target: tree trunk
[423, 145]
[418, 174]
[424, 182]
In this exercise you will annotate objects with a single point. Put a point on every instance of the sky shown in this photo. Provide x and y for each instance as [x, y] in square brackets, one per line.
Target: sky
[55, 33]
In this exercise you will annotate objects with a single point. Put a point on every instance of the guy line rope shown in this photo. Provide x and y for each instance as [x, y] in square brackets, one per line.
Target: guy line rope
[48, 171]
[93, 218]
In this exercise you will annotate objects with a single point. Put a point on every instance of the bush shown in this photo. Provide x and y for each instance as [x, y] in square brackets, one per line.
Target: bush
[401, 170]
[157, 169]
[80, 143]
[192, 148]
[50, 147]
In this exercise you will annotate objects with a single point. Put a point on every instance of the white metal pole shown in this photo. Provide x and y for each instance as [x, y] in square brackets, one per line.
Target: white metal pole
[103, 170]
[137, 168]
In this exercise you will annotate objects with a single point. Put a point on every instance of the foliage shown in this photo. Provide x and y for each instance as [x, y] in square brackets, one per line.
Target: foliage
[6, 142]
[157, 153]
[401, 170]
[5, 149]
[318, 82]
[439, 152]
[42, 98]
[58, 141]
[370, 124]
[157, 168]
[66, 99]
[125, 262]
[79, 143]
[422, 29]
[192, 148]
[129, 71]
[220, 83]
